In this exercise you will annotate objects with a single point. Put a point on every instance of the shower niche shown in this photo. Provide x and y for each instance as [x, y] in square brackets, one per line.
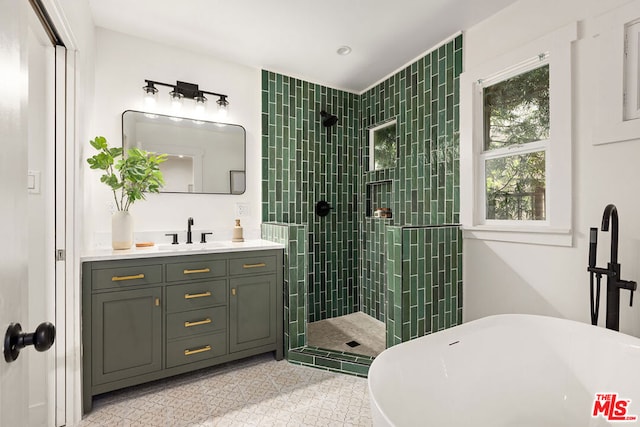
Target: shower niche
[379, 196]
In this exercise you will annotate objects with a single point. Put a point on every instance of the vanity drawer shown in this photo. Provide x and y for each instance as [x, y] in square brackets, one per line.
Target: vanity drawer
[191, 296]
[195, 322]
[252, 265]
[195, 349]
[195, 270]
[118, 277]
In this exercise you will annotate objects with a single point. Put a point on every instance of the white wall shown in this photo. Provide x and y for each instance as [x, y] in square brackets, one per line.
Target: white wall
[122, 64]
[519, 278]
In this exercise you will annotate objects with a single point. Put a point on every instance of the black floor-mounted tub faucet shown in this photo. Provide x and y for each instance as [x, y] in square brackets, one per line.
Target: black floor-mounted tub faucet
[614, 282]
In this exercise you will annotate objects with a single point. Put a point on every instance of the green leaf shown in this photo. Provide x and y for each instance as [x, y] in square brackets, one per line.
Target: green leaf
[129, 176]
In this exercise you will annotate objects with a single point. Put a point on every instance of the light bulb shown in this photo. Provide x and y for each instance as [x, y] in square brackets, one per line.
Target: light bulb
[223, 107]
[150, 94]
[176, 100]
[201, 105]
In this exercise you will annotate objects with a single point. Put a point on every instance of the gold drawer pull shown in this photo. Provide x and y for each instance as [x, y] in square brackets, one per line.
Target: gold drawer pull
[198, 323]
[204, 294]
[261, 264]
[202, 270]
[198, 350]
[121, 278]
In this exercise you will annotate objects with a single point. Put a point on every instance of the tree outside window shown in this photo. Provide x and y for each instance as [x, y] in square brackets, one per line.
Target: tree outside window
[516, 133]
[383, 151]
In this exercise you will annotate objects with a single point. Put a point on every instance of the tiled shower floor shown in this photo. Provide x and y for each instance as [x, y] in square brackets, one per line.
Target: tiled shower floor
[335, 333]
[258, 391]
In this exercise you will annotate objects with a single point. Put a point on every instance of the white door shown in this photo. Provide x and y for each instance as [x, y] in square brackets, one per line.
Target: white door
[27, 265]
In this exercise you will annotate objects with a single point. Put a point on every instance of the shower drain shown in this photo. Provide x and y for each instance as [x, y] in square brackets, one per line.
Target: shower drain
[353, 344]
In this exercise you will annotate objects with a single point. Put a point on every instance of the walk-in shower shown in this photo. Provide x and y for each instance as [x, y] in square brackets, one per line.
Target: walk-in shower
[349, 328]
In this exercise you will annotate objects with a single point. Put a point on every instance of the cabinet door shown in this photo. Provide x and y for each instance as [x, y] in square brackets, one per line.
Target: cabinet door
[127, 332]
[252, 306]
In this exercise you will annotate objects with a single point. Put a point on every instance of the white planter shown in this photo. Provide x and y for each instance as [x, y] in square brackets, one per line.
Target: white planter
[121, 230]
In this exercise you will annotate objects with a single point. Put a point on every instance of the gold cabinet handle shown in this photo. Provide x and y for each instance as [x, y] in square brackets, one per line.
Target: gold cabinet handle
[157, 302]
[233, 291]
[198, 323]
[121, 278]
[261, 264]
[202, 295]
[197, 350]
[202, 270]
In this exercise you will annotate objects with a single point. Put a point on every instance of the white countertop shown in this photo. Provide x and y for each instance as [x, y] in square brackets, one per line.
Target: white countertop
[177, 250]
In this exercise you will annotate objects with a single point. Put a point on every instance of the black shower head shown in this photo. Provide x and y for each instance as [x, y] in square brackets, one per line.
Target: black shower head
[328, 120]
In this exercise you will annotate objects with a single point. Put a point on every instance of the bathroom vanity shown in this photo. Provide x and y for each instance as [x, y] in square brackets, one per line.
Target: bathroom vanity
[150, 314]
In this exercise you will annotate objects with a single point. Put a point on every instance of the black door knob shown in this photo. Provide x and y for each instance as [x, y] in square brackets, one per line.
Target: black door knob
[15, 340]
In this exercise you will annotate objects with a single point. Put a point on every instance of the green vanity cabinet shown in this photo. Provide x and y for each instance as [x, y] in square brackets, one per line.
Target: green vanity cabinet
[252, 323]
[145, 319]
[126, 328]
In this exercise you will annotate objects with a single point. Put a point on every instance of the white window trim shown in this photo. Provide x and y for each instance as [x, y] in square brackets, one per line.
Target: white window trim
[557, 228]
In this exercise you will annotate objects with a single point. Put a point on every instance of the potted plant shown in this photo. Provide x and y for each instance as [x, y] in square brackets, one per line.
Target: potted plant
[130, 177]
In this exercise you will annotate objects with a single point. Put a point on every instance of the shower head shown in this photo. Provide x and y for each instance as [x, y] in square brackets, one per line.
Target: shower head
[328, 120]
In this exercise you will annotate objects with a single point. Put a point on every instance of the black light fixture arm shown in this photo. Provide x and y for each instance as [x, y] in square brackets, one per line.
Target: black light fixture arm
[188, 90]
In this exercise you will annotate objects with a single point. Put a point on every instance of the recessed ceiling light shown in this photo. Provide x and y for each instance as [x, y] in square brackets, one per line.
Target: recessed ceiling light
[343, 50]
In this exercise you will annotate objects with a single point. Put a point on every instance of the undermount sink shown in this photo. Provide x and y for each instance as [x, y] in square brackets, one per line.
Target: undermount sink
[192, 247]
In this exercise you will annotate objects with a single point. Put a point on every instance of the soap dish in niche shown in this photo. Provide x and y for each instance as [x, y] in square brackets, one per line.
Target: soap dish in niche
[382, 213]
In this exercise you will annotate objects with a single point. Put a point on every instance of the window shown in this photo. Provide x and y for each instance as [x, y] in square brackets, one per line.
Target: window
[515, 140]
[515, 144]
[631, 97]
[383, 150]
[617, 110]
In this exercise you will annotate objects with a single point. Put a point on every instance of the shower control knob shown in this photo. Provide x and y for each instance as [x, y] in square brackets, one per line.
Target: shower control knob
[323, 208]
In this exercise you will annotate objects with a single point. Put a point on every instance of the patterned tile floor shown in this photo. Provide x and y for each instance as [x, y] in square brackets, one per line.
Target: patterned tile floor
[257, 391]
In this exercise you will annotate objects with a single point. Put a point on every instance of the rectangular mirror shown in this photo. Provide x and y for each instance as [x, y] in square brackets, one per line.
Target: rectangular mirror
[202, 157]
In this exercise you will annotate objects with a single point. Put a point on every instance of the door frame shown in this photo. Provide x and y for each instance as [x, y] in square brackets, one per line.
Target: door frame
[67, 293]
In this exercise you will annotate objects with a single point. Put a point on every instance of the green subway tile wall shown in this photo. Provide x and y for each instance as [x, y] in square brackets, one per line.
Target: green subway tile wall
[304, 162]
[424, 186]
[293, 237]
[424, 270]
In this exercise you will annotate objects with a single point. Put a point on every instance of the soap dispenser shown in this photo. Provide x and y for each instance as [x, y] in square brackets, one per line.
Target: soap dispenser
[237, 232]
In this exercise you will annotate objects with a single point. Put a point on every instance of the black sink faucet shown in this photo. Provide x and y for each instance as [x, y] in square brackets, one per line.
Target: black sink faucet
[614, 282]
[189, 224]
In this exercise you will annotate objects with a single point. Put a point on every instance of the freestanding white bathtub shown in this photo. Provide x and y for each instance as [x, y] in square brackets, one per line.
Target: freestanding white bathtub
[509, 370]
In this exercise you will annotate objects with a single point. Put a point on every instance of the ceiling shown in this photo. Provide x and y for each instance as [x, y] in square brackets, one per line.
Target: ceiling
[299, 38]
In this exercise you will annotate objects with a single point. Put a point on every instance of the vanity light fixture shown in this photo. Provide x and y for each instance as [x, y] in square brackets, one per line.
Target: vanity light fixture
[150, 94]
[182, 90]
[223, 106]
[201, 102]
[176, 100]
